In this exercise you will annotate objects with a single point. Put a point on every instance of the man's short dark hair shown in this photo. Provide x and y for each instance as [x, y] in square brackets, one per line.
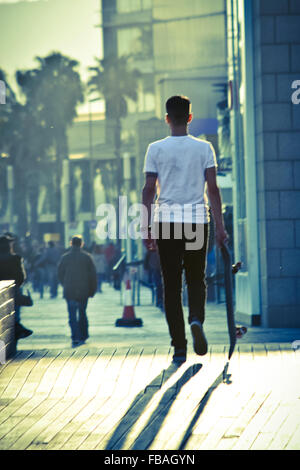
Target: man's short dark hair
[178, 109]
[76, 241]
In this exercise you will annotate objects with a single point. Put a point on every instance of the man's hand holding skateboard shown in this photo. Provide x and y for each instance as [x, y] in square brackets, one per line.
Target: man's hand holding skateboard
[148, 241]
[221, 235]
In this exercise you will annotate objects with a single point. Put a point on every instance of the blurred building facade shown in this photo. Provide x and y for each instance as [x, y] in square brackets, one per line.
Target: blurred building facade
[127, 30]
[175, 56]
[250, 51]
[179, 48]
[263, 62]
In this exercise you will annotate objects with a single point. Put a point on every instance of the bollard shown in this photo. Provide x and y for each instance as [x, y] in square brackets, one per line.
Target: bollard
[129, 319]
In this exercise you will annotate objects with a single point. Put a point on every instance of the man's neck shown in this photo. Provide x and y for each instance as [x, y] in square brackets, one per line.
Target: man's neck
[179, 131]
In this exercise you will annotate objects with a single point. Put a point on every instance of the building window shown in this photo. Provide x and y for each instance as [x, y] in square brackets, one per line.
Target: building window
[146, 101]
[127, 6]
[136, 42]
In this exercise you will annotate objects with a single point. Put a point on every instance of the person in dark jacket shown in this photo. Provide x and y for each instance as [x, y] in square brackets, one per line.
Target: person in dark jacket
[46, 263]
[77, 274]
[52, 256]
[12, 268]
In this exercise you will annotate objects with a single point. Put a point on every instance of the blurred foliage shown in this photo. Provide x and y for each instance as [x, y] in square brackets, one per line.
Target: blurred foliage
[34, 122]
[33, 129]
[114, 80]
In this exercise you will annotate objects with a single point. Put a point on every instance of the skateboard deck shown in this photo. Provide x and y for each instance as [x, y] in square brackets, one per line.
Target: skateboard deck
[228, 271]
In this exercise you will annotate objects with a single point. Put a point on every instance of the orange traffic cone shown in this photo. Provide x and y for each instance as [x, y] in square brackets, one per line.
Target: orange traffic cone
[128, 318]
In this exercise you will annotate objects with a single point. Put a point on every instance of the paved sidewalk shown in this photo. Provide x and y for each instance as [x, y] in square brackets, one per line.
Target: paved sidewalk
[49, 321]
[121, 391]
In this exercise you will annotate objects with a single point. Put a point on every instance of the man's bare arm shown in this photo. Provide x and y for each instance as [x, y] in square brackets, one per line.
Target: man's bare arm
[149, 191]
[216, 204]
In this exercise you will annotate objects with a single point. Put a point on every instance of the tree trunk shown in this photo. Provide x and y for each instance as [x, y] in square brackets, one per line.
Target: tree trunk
[61, 153]
[20, 192]
[33, 195]
[109, 181]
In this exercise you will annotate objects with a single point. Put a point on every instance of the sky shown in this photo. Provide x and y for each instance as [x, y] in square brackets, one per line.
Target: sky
[30, 28]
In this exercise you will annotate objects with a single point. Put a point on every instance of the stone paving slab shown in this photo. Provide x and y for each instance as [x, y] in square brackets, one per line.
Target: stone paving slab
[137, 399]
[120, 391]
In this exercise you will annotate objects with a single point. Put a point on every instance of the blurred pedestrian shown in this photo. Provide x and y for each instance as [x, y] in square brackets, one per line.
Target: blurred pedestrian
[39, 273]
[110, 255]
[77, 274]
[12, 268]
[52, 257]
[100, 264]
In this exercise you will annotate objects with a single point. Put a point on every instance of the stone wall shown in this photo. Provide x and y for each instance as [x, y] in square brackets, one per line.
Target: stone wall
[7, 320]
[276, 66]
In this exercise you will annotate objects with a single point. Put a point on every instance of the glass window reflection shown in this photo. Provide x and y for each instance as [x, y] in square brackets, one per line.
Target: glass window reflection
[127, 6]
[135, 41]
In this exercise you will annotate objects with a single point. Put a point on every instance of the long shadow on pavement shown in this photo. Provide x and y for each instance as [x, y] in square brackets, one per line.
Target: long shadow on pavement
[139, 404]
[224, 377]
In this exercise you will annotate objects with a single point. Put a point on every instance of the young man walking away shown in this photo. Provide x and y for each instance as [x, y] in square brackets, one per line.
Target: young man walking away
[77, 274]
[178, 167]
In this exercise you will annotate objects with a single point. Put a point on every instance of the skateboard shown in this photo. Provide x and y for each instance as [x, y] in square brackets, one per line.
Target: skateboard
[229, 270]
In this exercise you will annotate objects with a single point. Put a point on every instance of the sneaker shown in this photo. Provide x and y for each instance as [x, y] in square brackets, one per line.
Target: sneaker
[200, 343]
[179, 356]
[75, 344]
[21, 331]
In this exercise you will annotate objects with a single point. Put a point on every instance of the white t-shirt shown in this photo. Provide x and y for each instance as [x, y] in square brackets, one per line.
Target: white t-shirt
[180, 164]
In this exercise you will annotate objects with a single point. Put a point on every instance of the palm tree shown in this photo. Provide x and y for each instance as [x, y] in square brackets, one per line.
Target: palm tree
[12, 125]
[113, 80]
[9, 95]
[4, 117]
[53, 91]
[29, 129]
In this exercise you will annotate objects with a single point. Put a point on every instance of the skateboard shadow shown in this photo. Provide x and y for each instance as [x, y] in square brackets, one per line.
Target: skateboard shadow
[139, 404]
[224, 377]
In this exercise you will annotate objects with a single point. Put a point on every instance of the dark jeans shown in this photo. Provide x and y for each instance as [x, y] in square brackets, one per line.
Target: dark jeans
[100, 279]
[174, 257]
[158, 286]
[40, 279]
[78, 319]
[53, 281]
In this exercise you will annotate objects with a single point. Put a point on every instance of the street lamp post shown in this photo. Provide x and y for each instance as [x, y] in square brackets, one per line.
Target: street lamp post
[127, 177]
[91, 160]
[92, 208]
[66, 197]
[10, 188]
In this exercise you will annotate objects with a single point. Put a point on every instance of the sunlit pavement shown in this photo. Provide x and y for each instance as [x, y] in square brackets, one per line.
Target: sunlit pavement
[121, 391]
[48, 319]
